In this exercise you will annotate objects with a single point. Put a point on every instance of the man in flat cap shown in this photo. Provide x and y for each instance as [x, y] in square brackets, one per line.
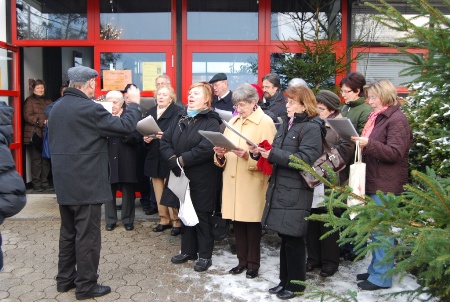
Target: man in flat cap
[78, 131]
[222, 95]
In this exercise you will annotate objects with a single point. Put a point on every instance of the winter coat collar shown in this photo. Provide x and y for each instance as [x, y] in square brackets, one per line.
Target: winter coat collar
[255, 117]
[75, 92]
[208, 113]
[356, 103]
[390, 110]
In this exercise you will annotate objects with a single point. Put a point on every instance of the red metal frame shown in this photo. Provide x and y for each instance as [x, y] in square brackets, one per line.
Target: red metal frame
[16, 146]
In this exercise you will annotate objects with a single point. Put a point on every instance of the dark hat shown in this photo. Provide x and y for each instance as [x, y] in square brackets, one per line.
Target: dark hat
[128, 86]
[329, 99]
[218, 77]
[81, 74]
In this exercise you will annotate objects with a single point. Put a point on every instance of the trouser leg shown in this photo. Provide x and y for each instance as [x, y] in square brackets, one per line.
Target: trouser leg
[329, 247]
[295, 262]
[313, 242]
[205, 239]
[36, 162]
[189, 244]
[163, 211]
[67, 272]
[240, 235]
[110, 207]
[128, 205]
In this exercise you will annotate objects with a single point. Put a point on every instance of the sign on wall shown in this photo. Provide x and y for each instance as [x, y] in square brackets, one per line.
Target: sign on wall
[116, 79]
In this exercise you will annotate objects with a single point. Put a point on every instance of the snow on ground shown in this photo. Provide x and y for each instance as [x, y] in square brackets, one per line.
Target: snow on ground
[239, 288]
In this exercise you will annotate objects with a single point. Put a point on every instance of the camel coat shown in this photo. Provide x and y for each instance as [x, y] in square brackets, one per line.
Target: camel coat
[244, 186]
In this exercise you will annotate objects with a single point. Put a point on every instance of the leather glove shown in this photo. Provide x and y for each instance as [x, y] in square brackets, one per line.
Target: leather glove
[173, 166]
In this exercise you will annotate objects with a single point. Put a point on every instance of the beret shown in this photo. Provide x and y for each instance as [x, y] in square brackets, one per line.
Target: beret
[128, 86]
[329, 99]
[218, 77]
[81, 74]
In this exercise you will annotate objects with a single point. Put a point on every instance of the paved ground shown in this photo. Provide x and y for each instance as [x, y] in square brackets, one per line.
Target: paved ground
[135, 264]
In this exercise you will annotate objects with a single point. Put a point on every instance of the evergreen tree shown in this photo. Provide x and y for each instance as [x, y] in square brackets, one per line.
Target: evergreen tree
[418, 221]
[428, 107]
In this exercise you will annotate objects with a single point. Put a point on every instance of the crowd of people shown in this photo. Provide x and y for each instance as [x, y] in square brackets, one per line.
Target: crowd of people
[252, 185]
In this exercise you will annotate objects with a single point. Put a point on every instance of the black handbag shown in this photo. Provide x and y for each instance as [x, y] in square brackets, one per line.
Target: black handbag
[35, 139]
[220, 226]
[331, 158]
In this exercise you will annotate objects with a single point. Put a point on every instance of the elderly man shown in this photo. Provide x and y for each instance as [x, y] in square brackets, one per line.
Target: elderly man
[162, 80]
[273, 95]
[78, 131]
[222, 95]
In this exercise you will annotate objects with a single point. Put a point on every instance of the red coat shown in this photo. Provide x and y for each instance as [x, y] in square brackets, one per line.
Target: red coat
[386, 154]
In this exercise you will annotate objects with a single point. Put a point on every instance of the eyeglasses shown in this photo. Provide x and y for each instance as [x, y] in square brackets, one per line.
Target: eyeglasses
[267, 87]
[240, 105]
[346, 91]
[372, 97]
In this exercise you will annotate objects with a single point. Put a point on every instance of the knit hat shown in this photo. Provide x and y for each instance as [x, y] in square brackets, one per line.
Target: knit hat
[81, 74]
[218, 77]
[329, 99]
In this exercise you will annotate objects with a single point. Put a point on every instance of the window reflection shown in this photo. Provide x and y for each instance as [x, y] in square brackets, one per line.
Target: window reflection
[144, 67]
[239, 67]
[51, 20]
[135, 20]
[6, 69]
[292, 20]
[222, 20]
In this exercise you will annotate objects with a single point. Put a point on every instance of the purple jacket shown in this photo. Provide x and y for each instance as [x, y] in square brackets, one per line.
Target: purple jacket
[386, 155]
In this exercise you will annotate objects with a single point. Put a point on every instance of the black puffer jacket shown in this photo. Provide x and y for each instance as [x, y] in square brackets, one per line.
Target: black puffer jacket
[12, 188]
[182, 139]
[288, 200]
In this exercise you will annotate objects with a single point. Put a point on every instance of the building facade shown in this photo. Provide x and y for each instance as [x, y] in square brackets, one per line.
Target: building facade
[189, 40]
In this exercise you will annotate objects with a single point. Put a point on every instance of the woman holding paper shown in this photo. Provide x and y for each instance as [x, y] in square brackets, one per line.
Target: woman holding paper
[181, 144]
[155, 166]
[386, 140]
[244, 186]
[288, 199]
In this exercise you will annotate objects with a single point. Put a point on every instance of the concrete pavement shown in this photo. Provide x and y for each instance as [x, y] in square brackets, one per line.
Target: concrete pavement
[136, 264]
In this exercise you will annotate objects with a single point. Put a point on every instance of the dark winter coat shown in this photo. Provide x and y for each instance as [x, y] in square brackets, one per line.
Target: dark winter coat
[155, 165]
[386, 154]
[288, 200]
[277, 103]
[12, 188]
[78, 131]
[182, 139]
[33, 112]
[122, 156]
[223, 104]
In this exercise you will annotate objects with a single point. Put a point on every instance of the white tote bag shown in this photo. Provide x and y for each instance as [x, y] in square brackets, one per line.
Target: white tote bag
[357, 179]
[187, 212]
[178, 185]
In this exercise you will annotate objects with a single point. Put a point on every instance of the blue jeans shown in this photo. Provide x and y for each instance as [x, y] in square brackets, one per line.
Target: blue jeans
[377, 270]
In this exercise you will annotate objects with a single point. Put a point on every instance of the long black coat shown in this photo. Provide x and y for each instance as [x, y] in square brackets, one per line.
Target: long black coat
[155, 165]
[122, 157]
[288, 200]
[12, 188]
[78, 131]
[182, 139]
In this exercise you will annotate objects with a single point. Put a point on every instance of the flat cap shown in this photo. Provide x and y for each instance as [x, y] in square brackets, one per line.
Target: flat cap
[218, 77]
[128, 86]
[81, 74]
[329, 99]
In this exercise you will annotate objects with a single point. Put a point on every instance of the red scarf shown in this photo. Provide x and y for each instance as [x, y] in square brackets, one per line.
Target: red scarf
[263, 164]
[371, 122]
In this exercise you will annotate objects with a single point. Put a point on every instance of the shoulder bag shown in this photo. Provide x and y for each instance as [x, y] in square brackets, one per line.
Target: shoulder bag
[331, 158]
[357, 179]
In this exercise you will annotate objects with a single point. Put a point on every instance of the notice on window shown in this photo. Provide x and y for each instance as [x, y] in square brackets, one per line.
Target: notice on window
[116, 79]
[150, 71]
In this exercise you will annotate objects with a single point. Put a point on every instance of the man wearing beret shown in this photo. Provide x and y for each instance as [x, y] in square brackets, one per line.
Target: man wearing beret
[222, 95]
[78, 131]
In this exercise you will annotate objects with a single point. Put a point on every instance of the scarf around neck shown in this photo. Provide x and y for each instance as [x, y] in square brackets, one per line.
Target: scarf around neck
[371, 122]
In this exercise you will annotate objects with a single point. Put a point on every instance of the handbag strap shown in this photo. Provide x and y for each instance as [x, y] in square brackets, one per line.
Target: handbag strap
[358, 157]
[35, 125]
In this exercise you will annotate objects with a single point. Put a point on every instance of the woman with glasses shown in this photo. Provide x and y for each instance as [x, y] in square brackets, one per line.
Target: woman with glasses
[355, 108]
[244, 186]
[288, 199]
[181, 144]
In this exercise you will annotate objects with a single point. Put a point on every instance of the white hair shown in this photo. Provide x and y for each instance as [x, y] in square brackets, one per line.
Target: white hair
[297, 82]
[114, 94]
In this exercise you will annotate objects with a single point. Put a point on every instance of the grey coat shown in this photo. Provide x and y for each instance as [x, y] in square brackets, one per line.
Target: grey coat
[78, 131]
[288, 200]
